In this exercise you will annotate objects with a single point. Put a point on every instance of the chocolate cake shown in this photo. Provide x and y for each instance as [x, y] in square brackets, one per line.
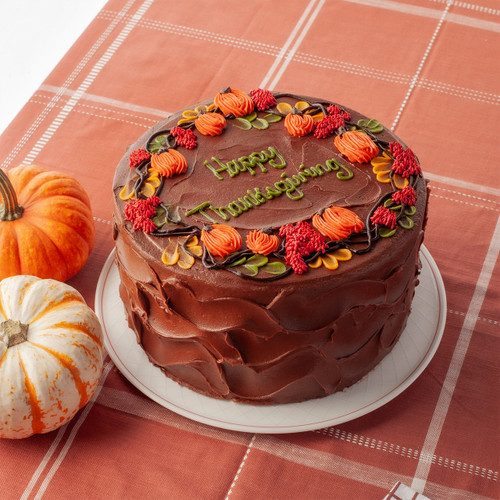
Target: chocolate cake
[268, 244]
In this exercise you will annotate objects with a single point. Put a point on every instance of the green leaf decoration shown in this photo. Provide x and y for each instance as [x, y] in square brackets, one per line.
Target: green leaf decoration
[405, 222]
[238, 262]
[372, 125]
[260, 124]
[160, 218]
[251, 270]
[157, 143]
[258, 260]
[274, 268]
[242, 123]
[410, 211]
[385, 232]
[272, 118]
[251, 117]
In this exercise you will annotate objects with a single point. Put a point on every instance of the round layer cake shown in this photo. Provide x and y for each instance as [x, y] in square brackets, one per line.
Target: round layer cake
[268, 244]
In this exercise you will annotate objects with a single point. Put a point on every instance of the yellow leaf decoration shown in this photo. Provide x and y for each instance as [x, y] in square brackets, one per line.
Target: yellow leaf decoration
[331, 259]
[174, 252]
[381, 167]
[190, 115]
[125, 194]
[148, 187]
[284, 108]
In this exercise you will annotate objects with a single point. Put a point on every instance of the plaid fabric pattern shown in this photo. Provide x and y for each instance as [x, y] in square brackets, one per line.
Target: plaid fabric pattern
[427, 69]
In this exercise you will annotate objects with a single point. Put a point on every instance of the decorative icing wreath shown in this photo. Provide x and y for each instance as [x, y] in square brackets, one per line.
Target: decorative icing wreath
[331, 236]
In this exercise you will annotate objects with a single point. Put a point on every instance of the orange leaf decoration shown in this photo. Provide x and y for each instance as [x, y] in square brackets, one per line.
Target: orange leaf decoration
[169, 163]
[262, 243]
[234, 101]
[356, 145]
[210, 123]
[337, 223]
[221, 240]
[299, 125]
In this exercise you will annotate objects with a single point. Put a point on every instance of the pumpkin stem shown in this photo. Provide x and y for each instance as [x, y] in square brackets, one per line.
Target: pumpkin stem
[10, 208]
[14, 332]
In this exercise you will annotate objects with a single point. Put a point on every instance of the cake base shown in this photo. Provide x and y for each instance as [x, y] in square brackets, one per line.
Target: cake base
[394, 374]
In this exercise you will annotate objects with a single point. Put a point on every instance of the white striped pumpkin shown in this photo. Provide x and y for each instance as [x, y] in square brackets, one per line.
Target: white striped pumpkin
[50, 355]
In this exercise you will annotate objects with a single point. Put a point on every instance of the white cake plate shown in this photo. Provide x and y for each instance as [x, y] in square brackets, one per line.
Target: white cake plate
[400, 368]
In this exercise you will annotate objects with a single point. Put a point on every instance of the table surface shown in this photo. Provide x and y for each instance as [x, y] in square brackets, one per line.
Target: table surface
[428, 70]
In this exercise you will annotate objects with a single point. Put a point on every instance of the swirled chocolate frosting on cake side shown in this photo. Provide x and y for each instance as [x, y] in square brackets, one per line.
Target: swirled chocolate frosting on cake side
[268, 244]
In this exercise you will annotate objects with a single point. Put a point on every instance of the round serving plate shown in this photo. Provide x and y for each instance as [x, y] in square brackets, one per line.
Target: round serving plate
[400, 368]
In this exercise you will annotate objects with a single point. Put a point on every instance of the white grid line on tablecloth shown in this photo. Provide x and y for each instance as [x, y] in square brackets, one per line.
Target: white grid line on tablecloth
[407, 452]
[78, 69]
[141, 406]
[87, 82]
[456, 363]
[416, 76]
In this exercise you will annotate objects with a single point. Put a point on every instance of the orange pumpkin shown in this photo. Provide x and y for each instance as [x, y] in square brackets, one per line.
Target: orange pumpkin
[46, 224]
[262, 243]
[299, 125]
[234, 101]
[210, 123]
[169, 163]
[221, 239]
[337, 223]
[356, 145]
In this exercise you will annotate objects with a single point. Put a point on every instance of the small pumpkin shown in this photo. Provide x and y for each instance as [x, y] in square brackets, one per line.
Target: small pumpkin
[337, 223]
[50, 355]
[221, 239]
[261, 242]
[299, 125]
[46, 224]
[234, 101]
[210, 123]
[356, 145]
[169, 163]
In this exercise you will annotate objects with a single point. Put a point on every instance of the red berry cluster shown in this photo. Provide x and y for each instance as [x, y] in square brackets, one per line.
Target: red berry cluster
[262, 99]
[407, 196]
[334, 110]
[405, 162]
[301, 240]
[140, 211]
[384, 217]
[184, 137]
[137, 157]
[336, 118]
[327, 126]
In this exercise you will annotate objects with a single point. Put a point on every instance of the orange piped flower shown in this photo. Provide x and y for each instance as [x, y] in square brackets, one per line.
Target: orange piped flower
[262, 243]
[169, 163]
[210, 123]
[337, 223]
[234, 101]
[299, 125]
[221, 240]
[356, 145]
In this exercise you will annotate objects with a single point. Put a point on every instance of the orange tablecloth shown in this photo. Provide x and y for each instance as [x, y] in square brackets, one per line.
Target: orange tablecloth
[428, 69]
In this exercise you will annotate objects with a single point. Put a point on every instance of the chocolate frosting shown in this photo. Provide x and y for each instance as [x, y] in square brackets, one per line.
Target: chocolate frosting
[286, 340]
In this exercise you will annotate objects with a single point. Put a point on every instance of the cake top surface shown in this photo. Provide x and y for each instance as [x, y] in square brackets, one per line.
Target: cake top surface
[265, 184]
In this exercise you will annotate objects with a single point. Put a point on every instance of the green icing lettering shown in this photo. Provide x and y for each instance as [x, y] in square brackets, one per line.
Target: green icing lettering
[291, 187]
[247, 163]
[206, 205]
[257, 196]
[275, 154]
[347, 173]
[231, 167]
